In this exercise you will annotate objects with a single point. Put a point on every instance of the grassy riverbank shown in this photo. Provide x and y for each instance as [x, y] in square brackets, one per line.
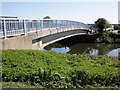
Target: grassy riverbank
[47, 69]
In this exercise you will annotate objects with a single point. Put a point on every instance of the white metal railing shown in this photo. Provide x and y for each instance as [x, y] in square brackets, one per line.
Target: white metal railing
[15, 26]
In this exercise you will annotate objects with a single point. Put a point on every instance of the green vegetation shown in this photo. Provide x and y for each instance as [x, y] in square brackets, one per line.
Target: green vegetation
[108, 37]
[19, 85]
[116, 27]
[47, 69]
[47, 17]
[101, 24]
[104, 38]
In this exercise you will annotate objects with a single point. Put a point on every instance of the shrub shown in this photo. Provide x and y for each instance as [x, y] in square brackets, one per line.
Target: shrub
[104, 38]
[53, 70]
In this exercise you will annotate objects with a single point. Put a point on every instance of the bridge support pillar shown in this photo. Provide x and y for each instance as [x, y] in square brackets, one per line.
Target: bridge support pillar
[37, 44]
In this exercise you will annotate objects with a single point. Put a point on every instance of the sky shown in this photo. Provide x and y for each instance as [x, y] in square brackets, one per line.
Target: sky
[86, 12]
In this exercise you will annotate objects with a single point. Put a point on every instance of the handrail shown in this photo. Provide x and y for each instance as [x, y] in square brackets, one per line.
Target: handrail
[18, 26]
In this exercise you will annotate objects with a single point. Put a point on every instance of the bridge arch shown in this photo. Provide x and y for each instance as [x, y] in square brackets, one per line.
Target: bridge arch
[51, 38]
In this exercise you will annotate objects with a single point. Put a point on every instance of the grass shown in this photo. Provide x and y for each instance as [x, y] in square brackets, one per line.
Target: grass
[47, 69]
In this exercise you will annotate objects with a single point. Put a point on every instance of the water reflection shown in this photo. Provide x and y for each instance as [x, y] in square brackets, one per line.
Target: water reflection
[89, 48]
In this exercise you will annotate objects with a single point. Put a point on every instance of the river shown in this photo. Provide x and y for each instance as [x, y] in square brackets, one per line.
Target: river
[89, 48]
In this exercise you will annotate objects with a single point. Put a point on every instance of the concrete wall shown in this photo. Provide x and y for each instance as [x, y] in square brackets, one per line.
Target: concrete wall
[19, 42]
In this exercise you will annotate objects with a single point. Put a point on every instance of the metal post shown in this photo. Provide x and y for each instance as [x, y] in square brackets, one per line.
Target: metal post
[36, 26]
[25, 30]
[56, 23]
[4, 29]
[41, 25]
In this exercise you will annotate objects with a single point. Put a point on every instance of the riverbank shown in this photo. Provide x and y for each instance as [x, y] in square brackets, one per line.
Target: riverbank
[47, 69]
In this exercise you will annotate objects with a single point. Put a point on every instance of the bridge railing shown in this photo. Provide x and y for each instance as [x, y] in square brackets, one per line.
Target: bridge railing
[14, 26]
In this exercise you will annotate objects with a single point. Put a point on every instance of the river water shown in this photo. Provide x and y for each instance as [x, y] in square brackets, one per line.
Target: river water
[89, 48]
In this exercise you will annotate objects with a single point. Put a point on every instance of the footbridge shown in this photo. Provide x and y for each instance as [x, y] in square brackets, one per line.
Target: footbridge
[16, 33]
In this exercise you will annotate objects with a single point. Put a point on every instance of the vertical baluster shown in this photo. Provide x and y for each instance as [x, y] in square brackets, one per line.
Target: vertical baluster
[36, 22]
[4, 29]
[1, 30]
[17, 26]
[19, 29]
[39, 25]
[56, 23]
[12, 27]
[30, 25]
[51, 23]
[24, 25]
[9, 27]
[42, 25]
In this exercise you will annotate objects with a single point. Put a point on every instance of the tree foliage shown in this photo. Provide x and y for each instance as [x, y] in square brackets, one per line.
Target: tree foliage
[105, 38]
[101, 24]
[47, 17]
[116, 27]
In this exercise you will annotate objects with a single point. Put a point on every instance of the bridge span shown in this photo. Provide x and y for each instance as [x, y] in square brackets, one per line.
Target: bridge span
[18, 33]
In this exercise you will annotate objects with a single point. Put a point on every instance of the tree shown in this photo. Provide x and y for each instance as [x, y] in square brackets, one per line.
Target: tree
[101, 24]
[116, 27]
[47, 17]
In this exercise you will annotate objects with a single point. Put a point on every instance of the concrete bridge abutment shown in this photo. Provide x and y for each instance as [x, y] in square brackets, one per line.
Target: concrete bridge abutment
[18, 42]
